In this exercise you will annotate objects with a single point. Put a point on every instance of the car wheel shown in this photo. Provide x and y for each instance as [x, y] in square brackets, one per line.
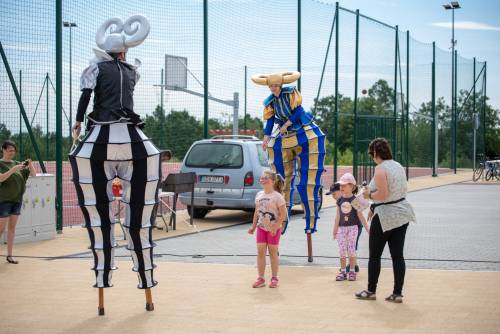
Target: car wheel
[198, 212]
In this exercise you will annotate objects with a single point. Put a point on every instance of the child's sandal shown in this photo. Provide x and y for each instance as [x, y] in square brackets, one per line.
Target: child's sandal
[274, 282]
[341, 276]
[259, 283]
[11, 260]
[366, 295]
[395, 298]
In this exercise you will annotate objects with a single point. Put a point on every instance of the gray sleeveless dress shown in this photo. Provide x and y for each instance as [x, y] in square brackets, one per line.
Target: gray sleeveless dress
[394, 215]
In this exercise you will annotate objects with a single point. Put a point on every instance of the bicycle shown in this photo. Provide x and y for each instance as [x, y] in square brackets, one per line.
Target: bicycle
[492, 170]
[479, 169]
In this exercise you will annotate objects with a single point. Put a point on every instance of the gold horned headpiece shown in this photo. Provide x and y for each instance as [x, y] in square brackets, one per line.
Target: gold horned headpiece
[275, 78]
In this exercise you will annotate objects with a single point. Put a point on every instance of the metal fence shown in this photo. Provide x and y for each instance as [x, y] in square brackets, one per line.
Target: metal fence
[361, 78]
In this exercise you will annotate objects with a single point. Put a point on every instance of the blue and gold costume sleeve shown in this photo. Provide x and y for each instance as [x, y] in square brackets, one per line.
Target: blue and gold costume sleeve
[295, 105]
[269, 126]
[269, 118]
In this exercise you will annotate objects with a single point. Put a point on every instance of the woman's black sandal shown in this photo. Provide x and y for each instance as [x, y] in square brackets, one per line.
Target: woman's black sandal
[366, 295]
[395, 298]
[11, 260]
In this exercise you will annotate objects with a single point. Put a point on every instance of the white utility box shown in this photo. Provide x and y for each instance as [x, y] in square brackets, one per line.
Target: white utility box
[38, 213]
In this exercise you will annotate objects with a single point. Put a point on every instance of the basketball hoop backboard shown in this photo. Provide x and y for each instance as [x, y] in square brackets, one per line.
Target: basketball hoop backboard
[175, 72]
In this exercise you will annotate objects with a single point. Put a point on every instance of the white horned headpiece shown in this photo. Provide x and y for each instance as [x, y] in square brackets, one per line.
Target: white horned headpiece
[122, 35]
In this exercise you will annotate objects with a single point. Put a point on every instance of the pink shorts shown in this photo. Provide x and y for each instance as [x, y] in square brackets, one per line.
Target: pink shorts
[265, 237]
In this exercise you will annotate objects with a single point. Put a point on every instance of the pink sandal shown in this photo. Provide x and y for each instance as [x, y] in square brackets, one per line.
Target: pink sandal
[259, 283]
[274, 282]
[352, 276]
[341, 276]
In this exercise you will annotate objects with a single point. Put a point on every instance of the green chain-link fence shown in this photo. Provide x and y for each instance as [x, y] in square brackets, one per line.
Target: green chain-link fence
[361, 77]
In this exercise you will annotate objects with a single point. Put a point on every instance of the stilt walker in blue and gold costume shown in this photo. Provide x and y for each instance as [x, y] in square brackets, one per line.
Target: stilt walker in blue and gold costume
[299, 147]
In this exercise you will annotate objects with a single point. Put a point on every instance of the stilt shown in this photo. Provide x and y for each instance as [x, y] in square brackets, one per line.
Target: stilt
[309, 248]
[101, 302]
[149, 300]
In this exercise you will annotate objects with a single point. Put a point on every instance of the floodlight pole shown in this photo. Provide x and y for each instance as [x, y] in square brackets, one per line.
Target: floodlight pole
[205, 69]
[70, 25]
[453, 5]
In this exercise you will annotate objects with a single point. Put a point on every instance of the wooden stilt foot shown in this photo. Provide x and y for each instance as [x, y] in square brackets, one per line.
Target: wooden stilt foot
[309, 248]
[100, 309]
[149, 300]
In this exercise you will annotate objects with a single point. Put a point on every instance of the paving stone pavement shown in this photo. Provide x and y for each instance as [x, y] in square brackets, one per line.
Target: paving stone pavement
[458, 228]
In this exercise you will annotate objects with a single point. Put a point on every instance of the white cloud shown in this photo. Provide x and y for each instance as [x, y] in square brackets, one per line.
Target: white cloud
[466, 25]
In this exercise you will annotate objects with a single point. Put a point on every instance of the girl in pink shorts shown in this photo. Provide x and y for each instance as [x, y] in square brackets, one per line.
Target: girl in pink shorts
[346, 227]
[270, 212]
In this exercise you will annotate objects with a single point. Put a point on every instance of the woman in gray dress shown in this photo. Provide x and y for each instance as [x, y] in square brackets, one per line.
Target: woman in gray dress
[390, 214]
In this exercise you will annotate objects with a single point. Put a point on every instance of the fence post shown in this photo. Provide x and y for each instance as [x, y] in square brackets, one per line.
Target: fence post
[59, 166]
[205, 68]
[245, 102]
[434, 116]
[20, 116]
[336, 115]
[355, 136]
[455, 118]
[236, 107]
[407, 121]
[47, 117]
[162, 88]
[395, 97]
[474, 116]
[484, 109]
[299, 39]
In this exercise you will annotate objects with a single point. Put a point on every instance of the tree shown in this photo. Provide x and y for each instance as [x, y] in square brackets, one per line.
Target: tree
[324, 109]
[4, 133]
[176, 131]
[253, 123]
[154, 127]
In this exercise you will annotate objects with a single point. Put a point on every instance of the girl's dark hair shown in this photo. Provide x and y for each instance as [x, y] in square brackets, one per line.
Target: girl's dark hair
[7, 143]
[380, 147]
[355, 190]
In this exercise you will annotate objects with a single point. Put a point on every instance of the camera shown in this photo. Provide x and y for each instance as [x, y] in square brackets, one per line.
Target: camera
[25, 163]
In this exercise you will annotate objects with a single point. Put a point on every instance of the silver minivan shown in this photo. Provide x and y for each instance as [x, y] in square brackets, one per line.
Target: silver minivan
[228, 170]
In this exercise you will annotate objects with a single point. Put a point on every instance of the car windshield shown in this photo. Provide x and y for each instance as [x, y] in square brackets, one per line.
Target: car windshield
[262, 156]
[215, 155]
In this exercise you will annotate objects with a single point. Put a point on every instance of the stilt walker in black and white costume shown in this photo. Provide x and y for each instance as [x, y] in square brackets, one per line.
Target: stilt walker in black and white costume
[114, 146]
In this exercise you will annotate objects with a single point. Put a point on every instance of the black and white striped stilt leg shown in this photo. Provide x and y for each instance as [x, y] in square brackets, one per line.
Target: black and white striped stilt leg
[118, 150]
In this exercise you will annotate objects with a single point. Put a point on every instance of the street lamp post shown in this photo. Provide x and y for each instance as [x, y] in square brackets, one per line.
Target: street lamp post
[452, 6]
[70, 25]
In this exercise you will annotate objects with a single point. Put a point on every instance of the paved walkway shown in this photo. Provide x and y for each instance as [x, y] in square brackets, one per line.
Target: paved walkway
[457, 228]
[74, 239]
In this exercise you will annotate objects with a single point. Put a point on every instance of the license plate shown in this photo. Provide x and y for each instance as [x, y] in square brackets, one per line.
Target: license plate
[211, 179]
